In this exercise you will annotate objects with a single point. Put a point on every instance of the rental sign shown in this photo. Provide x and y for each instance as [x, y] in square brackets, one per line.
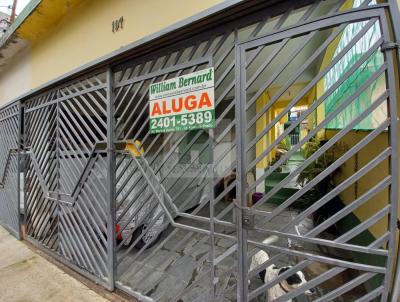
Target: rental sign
[183, 103]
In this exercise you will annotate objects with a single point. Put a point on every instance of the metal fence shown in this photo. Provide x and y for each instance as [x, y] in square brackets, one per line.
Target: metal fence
[360, 268]
[220, 214]
[66, 208]
[9, 167]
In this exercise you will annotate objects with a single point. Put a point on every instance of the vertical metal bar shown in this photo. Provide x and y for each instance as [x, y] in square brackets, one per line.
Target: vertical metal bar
[212, 210]
[19, 144]
[58, 168]
[394, 11]
[110, 180]
[26, 164]
[393, 165]
[240, 115]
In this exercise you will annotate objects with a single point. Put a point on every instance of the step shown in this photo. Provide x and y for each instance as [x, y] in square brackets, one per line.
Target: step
[276, 177]
[282, 195]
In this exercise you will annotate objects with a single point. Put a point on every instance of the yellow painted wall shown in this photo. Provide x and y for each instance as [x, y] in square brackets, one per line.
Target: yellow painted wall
[265, 119]
[356, 162]
[85, 34]
[353, 165]
[261, 123]
[68, 34]
[15, 78]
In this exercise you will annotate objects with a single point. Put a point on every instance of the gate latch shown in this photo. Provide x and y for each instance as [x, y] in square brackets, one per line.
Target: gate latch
[389, 45]
[248, 216]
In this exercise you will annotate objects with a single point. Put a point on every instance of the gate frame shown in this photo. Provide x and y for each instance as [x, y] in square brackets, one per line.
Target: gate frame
[392, 9]
[354, 15]
[109, 282]
[20, 149]
[393, 15]
[18, 232]
[111, 240]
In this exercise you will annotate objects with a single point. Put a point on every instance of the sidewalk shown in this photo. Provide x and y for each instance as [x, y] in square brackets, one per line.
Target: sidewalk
[26, 276]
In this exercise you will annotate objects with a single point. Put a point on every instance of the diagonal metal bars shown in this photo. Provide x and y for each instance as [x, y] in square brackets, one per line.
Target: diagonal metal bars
[165, 217]
[66, 174]
[273, 204]
[9, 167]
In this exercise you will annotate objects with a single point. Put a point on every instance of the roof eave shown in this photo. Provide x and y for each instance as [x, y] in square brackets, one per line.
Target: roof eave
[11, 32]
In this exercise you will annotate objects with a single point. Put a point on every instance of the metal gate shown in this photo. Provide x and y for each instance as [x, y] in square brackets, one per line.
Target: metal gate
[191, 215]
[66, 175]
[242, 212]
[314, 240]
[9, 169]
[164, 187]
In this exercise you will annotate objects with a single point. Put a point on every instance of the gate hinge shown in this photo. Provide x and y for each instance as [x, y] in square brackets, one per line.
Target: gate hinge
[389, 45]
[248, 216]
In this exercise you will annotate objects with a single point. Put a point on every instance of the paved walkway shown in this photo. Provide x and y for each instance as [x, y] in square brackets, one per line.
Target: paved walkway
[27, 277]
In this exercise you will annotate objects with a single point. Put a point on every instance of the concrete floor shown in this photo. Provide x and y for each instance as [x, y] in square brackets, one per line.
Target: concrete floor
[26, 276]
[172, 271]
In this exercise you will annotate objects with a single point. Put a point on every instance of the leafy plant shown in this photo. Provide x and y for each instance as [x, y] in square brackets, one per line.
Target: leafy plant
[283, 147]
[285, 144]
[314, 169]
[318, 165]
[273, 161]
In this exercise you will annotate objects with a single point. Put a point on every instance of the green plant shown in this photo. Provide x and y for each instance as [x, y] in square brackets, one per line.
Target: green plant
[285, 144]
[314, 169]
[318, 165]
[323, 186]
[273, 161]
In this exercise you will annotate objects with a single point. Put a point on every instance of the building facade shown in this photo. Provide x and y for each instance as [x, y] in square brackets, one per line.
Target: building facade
[111, 169]
[4, 23]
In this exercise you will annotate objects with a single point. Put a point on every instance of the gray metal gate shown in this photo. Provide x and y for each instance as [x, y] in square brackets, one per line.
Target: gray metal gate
[66, 175]
[183, 238]
[9, 167]
[186, 216]
[359, 268]
[164, 187]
